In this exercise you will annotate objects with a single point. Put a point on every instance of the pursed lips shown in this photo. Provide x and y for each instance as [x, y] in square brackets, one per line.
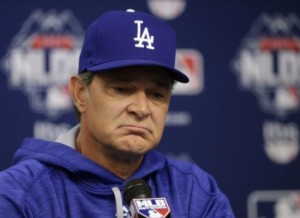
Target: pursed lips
[136, 129]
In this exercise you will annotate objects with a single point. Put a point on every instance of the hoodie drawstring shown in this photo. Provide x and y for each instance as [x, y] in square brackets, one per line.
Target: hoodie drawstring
[119, 203]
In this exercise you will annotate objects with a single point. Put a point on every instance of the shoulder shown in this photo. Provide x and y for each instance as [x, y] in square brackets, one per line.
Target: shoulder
[201, 186]
[186, 168]
[21, 174]
[191, 175]
[16, 181]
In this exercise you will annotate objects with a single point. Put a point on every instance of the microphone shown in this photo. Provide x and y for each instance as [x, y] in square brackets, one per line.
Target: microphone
[138, 195]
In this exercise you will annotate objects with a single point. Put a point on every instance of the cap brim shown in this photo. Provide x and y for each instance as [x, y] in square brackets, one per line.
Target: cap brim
[176, 74]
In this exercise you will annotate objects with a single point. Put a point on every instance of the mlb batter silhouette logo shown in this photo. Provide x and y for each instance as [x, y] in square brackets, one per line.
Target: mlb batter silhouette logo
[154, 214]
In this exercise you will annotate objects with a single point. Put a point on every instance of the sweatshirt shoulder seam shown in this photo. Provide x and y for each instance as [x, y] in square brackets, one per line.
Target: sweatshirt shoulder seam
[27, 192]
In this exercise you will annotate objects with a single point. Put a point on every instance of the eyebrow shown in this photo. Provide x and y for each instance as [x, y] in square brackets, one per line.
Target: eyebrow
[156, 81]
[165, 83]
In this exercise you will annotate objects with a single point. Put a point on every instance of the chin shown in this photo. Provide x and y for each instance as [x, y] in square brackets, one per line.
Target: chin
[132, 149]
[130, 156]
[131, 153]
[136, 146]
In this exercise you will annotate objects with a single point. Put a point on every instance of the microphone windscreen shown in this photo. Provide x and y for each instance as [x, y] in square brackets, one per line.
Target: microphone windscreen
[136, 188]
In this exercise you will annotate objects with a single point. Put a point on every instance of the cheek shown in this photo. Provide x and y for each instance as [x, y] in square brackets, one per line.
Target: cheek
[160, 119]
[96, 110]
[104, 112]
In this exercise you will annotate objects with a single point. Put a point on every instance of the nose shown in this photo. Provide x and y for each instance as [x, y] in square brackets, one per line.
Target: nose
[139, 105]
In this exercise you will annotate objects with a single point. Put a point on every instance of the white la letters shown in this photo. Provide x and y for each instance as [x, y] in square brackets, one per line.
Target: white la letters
[143, 37]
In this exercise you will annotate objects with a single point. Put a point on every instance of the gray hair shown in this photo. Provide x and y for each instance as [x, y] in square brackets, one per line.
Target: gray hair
[87, 78]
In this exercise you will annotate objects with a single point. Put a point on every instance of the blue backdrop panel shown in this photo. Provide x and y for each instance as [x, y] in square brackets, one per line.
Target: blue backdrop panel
[238, 119]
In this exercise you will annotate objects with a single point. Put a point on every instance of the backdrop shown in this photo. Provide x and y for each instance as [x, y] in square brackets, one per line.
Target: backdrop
[238, 119]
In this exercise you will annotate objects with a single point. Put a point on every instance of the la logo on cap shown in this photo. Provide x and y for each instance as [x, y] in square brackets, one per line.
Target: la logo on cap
[143, 37]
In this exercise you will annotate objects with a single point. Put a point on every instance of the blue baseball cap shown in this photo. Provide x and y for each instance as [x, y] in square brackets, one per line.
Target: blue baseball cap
[128, 38]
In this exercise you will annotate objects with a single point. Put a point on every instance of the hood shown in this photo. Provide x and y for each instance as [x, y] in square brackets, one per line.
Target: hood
[90, 174]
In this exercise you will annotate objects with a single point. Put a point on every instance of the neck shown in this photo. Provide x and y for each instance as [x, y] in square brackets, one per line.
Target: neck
[120, 163]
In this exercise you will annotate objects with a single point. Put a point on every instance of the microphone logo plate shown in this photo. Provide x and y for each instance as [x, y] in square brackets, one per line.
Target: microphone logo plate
[152, 207]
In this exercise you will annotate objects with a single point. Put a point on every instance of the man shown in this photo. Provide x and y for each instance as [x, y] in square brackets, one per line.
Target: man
[121, 96]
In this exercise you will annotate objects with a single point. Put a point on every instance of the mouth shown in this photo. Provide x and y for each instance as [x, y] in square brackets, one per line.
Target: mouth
[137, 130]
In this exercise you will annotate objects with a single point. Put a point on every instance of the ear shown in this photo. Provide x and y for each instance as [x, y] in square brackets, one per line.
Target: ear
[78, 92]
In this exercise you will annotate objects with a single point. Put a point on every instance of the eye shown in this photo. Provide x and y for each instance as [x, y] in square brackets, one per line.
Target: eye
[158, 95]
[121, 90]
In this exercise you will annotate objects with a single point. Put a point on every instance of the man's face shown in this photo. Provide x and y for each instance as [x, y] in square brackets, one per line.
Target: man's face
[125, 109]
